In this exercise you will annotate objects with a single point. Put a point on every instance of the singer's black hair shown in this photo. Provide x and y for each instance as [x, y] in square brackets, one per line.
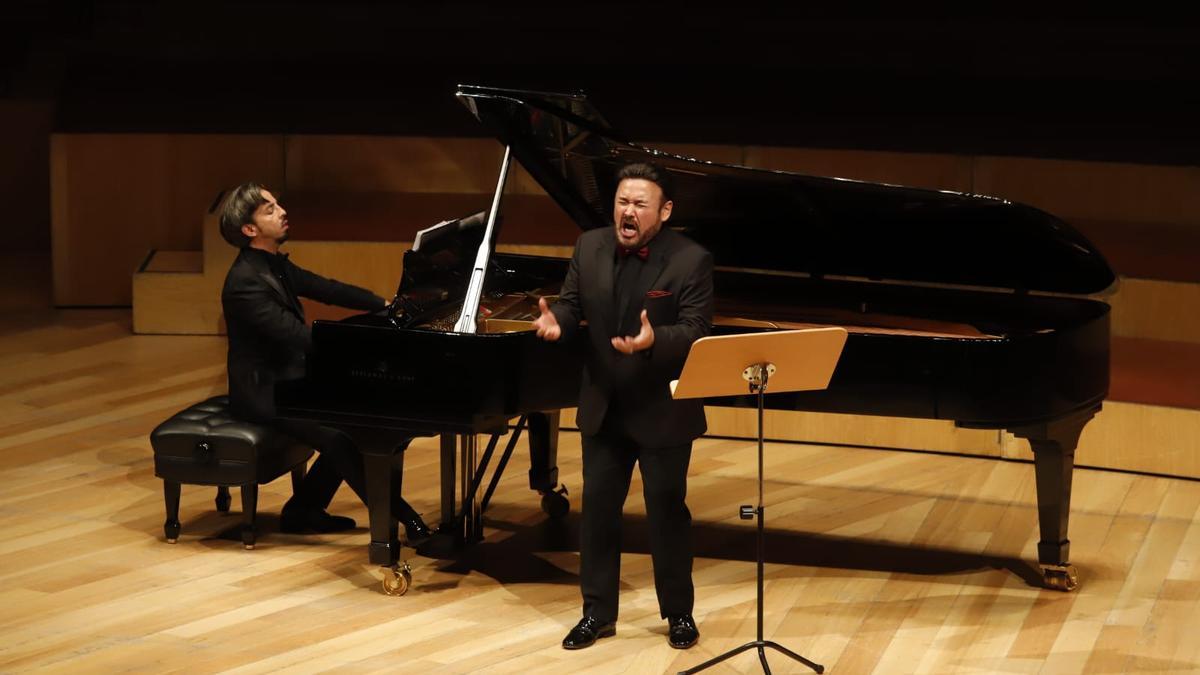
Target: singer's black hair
[647, 171]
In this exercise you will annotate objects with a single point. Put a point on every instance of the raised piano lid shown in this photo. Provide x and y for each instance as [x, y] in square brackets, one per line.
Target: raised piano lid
[782, 222]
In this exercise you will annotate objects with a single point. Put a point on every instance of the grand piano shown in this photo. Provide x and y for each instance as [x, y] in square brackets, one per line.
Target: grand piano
[959, 307]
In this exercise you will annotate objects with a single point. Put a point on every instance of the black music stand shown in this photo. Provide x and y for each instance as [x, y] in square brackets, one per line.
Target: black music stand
[792, 360]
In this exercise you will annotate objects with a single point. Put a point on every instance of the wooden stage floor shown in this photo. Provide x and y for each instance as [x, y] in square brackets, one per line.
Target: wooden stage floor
[878, 561]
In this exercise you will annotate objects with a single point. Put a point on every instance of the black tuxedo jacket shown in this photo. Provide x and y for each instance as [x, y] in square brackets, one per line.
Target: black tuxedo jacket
[675, 287]
[268, 336]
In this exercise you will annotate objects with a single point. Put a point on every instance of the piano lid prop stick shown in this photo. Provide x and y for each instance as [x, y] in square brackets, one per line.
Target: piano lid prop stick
[466, 318]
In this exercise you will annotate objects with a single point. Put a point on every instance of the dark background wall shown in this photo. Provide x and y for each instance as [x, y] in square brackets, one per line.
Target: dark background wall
[1113, 87]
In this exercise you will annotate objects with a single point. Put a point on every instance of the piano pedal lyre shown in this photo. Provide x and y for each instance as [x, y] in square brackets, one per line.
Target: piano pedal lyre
[397, 579]
[1060, 577]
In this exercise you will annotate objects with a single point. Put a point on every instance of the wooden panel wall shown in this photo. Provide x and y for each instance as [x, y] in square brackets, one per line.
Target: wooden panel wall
[1104, 191]
[117, 196]
[1157, 310]
[1132, 437]
[163, 182]
[392, 164]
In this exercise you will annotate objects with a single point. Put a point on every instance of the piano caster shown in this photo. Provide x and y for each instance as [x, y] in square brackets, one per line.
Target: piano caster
[555, 503]
[397, 579]
[1060, 577]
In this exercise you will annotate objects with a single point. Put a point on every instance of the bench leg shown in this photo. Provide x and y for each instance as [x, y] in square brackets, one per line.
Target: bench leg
[223, 499]
[298, 477]
[250, 511]
[171, 497]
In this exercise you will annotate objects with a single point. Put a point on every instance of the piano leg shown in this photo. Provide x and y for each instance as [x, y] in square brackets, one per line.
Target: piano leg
[1053, 446]
[384, 548]
[449, 458]
[383, 463]
[543, 451]
[543, 463]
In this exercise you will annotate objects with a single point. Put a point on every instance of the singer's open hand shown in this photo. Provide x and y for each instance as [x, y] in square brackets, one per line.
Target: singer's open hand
[546, 325]
[642, 341]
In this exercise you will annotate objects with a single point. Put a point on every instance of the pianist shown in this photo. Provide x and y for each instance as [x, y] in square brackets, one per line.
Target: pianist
[268, 339]
[646, 294]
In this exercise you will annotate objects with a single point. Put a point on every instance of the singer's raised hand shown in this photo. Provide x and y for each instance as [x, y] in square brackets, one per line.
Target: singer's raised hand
[546, 325]
[642, 341]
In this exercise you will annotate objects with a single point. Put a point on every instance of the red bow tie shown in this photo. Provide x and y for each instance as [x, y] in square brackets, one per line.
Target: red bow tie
[643, 252]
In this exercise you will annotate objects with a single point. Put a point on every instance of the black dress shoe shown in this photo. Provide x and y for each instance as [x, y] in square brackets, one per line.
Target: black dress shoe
[682, 632]
[415, 530]
[296, 521]
[587, 631]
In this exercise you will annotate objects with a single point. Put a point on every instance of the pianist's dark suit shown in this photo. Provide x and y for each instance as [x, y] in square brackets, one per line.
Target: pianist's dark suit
[626, 413]
[268, 340]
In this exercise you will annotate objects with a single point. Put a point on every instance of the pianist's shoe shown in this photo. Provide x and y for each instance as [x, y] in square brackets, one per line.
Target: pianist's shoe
[415, 530]
[299, 520]
[681, 631]
[587, 631]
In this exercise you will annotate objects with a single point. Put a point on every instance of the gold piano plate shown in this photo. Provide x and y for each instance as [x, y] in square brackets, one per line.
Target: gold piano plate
[505, 326]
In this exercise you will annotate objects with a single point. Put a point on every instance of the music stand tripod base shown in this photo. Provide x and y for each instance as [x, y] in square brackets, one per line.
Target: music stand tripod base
[762, 657]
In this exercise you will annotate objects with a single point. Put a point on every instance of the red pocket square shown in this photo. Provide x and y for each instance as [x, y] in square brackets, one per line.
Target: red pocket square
[657, 294]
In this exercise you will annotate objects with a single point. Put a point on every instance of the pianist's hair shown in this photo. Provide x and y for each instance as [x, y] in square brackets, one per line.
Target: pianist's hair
[239, 210]
[647, 171]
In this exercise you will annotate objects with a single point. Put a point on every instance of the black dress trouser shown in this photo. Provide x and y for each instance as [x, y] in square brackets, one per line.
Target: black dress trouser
[608, 460]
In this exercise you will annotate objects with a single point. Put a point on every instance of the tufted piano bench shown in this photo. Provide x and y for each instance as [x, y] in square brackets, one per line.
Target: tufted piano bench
[203, 445]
